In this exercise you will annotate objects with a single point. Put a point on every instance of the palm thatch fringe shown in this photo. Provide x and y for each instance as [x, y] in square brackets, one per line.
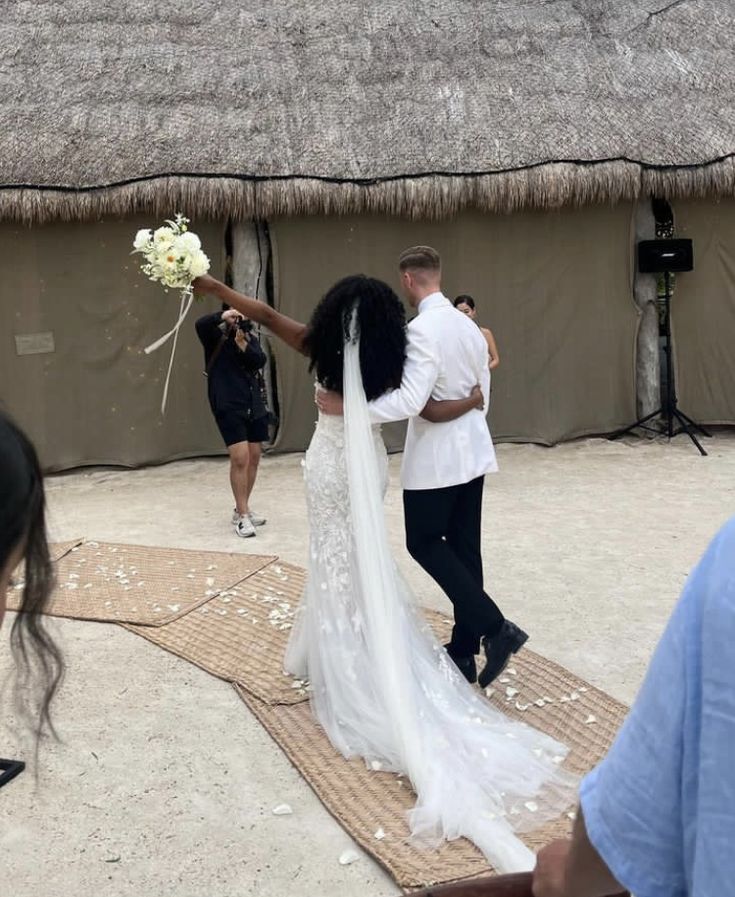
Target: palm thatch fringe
[427, 197]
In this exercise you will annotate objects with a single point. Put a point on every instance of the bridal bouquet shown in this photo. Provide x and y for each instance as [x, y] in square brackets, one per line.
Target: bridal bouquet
[174, 258]
[173, 254]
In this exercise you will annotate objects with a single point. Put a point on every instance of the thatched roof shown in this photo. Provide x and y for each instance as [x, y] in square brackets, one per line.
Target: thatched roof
[417, 107]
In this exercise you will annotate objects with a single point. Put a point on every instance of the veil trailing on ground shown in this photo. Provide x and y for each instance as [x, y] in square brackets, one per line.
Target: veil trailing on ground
[476, 773]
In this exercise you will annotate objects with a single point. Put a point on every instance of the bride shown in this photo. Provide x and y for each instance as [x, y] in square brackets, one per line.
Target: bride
[383, 687]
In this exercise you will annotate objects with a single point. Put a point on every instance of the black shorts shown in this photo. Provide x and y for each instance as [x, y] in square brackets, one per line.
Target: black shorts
[235, 427]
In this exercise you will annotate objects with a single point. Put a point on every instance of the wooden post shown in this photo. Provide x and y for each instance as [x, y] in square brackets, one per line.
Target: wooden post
[648, 375]
[250, 254]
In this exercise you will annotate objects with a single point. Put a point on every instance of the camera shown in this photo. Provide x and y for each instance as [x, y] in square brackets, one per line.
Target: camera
[245, 325]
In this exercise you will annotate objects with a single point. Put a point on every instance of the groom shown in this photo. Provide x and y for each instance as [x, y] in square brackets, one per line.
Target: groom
[444, 464]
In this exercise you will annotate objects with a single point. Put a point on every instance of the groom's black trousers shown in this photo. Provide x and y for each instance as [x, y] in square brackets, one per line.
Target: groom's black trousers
[443, 535]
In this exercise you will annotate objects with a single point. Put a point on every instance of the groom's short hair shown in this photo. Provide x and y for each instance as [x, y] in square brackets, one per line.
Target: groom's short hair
[422, 258]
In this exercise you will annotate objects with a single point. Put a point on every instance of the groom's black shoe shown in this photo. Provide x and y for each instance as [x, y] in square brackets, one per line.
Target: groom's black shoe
[498, 649]
[466, 665]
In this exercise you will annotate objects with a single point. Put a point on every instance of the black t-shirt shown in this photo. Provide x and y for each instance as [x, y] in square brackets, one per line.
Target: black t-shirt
[232, 379]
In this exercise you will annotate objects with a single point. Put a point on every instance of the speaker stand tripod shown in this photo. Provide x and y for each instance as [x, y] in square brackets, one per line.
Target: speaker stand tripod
[669, 410]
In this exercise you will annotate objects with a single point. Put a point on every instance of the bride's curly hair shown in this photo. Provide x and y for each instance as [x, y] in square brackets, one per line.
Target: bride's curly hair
[39, 661]
[381, 321]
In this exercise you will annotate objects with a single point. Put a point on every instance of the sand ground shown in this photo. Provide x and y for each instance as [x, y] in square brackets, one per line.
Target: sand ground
[164, 784]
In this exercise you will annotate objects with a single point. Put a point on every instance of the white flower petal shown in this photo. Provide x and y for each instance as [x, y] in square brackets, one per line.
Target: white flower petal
[282, 810]
[347, 857]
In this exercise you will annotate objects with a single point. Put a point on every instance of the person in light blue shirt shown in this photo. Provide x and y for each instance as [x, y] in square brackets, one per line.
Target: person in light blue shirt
[657, 816]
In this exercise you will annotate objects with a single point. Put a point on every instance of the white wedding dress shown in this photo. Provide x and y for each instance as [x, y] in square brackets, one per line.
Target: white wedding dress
[383, 688]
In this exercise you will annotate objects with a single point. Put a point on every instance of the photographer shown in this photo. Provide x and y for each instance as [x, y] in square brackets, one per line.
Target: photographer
[234, 358]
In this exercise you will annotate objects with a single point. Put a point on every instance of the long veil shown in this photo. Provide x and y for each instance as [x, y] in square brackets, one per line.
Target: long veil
[476, 773]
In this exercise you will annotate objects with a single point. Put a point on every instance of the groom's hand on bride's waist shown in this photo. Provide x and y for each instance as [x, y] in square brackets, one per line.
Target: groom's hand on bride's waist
[329, 402]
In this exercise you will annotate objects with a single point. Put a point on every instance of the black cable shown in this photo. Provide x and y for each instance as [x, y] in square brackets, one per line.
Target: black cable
[366, 182]
[260, 258]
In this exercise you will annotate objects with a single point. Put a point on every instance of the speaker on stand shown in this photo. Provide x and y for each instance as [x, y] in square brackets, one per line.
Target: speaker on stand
[667, 257]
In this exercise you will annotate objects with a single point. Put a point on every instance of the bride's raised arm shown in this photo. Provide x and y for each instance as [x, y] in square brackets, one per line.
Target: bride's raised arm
[291, 332]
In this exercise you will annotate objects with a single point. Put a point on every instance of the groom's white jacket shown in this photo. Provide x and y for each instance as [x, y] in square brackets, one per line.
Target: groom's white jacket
[446, 356]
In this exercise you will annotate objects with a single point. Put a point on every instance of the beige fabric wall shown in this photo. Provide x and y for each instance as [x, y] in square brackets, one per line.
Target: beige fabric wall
[95, 399]
[555, 288]
[703, 312]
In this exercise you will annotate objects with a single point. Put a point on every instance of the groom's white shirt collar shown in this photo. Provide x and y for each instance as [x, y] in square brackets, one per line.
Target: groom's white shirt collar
[433, 300]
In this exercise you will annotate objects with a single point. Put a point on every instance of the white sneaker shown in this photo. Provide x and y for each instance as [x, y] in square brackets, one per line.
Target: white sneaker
[244, 527]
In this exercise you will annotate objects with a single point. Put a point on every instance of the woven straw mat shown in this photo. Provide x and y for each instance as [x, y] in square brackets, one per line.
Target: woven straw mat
[241, 634]
[57, 550]
[139, 584]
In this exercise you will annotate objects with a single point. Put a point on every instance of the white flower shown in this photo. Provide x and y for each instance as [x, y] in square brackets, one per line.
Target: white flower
[163, 236]
[199, 264]
[189, 242]
[142, 239]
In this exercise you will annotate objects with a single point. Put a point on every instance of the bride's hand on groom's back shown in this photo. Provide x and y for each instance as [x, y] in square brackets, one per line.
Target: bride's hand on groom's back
[329, 402]
[479, 398]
